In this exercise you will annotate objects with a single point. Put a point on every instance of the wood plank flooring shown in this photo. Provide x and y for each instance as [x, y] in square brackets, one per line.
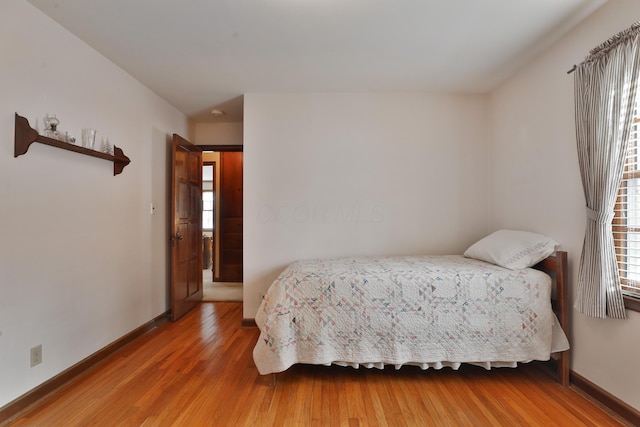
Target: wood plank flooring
[199, 371]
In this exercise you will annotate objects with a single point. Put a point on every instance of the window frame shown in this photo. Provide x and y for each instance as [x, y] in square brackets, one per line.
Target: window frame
[619, 226]
[213, 202]
[631, 302]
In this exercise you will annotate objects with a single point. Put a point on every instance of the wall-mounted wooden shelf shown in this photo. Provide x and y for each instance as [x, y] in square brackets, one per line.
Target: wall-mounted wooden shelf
[25, 135]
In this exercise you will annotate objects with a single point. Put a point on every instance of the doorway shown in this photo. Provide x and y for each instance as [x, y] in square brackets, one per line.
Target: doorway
[222, 218]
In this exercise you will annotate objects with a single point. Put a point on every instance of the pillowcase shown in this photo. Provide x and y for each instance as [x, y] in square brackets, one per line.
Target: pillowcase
[512, 249]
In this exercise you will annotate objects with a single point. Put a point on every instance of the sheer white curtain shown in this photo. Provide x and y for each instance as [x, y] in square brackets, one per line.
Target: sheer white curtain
[605, 91]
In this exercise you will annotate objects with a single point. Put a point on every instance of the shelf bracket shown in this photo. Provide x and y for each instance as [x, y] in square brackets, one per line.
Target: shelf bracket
[24, 136]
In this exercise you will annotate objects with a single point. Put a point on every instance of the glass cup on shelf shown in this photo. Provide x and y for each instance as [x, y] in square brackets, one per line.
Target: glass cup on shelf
[88, 138]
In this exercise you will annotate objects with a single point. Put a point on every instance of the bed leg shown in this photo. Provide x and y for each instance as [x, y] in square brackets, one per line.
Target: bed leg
[564, 371]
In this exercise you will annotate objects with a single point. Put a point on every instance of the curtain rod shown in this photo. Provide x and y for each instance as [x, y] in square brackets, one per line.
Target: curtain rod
[612, 42]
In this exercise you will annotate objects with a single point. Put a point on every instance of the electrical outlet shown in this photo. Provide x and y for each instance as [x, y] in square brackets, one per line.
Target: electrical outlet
[36, 355]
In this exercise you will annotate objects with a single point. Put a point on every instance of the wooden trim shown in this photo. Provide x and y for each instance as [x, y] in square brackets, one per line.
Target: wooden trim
[605, 398]
[222, 148]
[596, 393]
[31, 397]
[248, 323]
[631, 303]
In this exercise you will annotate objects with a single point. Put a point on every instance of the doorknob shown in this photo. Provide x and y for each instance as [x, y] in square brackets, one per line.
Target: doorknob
[177, 236]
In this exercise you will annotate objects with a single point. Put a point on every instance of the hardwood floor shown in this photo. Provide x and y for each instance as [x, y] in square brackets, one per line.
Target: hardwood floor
[199, 372]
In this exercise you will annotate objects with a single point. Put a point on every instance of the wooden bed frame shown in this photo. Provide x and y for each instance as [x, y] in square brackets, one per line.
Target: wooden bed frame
[556, 267]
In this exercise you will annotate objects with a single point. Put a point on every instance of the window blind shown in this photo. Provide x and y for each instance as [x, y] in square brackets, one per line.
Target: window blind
[626, 222]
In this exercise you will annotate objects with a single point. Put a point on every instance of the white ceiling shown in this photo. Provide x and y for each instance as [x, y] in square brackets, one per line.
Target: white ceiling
[205, 54]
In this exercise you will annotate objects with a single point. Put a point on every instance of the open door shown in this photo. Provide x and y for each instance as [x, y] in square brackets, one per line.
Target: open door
[186, 227]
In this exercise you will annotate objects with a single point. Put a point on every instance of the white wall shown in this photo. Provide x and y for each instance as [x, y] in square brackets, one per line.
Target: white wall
[82, 262]
[535, 184]
[218, 134]
[359, 174]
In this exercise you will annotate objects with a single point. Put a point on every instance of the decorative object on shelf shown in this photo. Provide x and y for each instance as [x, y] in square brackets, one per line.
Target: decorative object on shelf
[51, 123]
[106, 146]
[25, 135]
[88, 138]
[70, 138]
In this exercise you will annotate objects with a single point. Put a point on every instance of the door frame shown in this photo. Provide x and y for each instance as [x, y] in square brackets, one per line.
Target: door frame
[222, 149]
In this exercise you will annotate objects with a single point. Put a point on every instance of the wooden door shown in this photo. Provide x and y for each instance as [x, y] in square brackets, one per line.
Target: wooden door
[230, 227]
[186, 227]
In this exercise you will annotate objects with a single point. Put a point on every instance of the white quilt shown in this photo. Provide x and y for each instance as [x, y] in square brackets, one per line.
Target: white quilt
[431, 311]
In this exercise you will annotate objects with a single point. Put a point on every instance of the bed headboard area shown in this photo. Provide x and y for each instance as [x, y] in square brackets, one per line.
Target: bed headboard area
[556, 267]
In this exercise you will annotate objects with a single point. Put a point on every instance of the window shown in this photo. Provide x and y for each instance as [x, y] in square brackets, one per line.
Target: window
[626, 222]
[207, 197]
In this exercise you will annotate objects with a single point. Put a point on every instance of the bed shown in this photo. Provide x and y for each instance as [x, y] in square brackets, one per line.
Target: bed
[430, 311]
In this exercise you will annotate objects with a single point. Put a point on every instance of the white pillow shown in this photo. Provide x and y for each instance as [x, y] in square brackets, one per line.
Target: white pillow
[512, 249]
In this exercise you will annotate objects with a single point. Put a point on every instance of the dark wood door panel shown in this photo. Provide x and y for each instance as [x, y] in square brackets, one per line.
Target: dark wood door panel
[233, 241]
[195, 170]
[186, 227]
[231, 185]
[181, 285]
[231, 273]
[195, 279]
[231, 224]
[231, 256]
[230, 229]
